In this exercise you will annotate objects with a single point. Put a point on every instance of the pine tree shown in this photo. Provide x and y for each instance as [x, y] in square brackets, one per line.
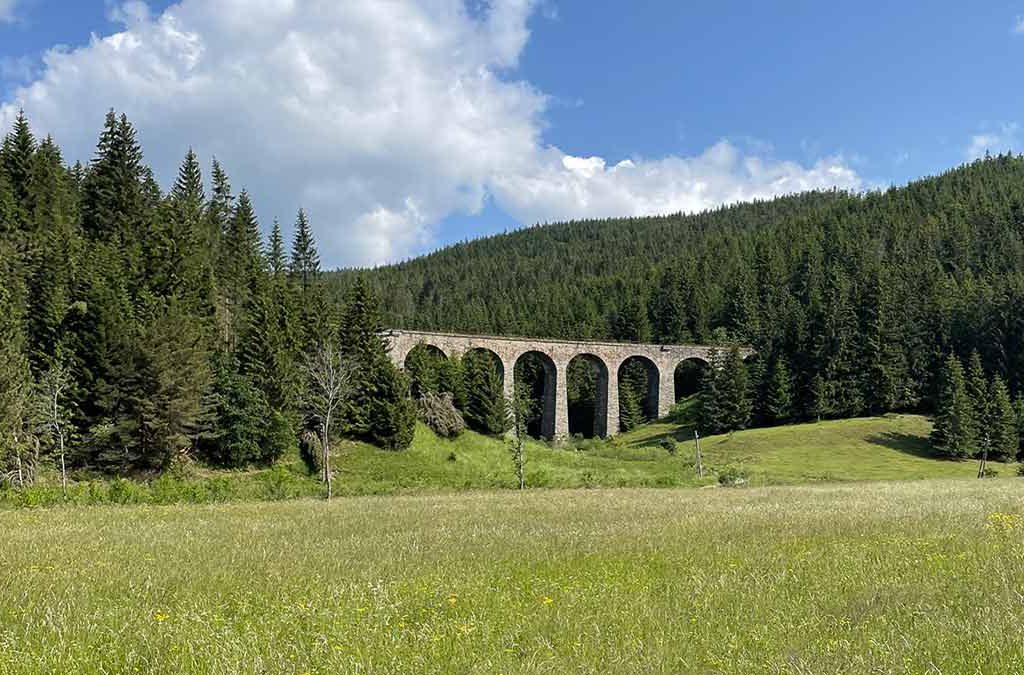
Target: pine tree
[16, 160]
[779, 392]
[955, 430]
[709, 410]
[275, 252]
[113, 206]
[379, 408]
[981, 404]
[305, 263]
[885, 371]
[485, 408]
[1001, 422]
[163, 393]
[733, 397]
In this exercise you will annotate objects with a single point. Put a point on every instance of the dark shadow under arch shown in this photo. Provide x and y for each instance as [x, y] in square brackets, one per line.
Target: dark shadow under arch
[638, 392]
[535, 375]
[587, 389]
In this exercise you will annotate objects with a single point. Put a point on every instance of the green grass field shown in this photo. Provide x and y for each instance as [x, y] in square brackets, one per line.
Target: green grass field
[894, 577]
[894, 447]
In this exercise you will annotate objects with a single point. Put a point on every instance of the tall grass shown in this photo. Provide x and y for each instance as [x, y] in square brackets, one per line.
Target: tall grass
[898, 577]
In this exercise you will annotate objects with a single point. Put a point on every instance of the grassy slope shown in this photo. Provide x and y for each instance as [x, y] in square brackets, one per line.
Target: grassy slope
[880, 448]
[917, 577]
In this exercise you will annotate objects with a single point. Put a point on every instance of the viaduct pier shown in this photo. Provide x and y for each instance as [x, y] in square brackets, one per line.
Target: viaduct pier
[661, 362]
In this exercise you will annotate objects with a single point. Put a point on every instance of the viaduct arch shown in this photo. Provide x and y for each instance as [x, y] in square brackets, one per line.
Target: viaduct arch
[610, 355]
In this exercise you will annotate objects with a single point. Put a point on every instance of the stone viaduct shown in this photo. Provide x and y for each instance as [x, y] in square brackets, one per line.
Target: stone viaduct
[660, 360]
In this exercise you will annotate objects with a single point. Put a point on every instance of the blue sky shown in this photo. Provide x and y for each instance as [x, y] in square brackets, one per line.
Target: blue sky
[406, 125]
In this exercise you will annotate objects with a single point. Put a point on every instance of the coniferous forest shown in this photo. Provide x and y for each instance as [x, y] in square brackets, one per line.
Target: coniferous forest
[854, 302]
[137, 325]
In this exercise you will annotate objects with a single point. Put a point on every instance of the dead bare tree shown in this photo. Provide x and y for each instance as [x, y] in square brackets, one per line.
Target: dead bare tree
[330, 383]
[53, 387]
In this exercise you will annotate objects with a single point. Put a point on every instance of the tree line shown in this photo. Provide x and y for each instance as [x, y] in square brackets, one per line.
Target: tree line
[137, 326]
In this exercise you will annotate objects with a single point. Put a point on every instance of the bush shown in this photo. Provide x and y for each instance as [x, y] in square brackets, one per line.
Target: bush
[732, 476]
[311, 450]
[669, 446]
[438, 412]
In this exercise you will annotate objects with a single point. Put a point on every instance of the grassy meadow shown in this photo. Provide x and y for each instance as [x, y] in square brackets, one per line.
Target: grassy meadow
[893, 447]
[894, 577]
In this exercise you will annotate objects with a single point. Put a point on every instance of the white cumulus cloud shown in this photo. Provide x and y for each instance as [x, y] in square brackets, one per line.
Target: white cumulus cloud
[1002, 140]
[381, 118]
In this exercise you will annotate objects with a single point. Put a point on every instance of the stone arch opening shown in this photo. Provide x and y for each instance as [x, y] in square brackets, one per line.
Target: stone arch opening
[638, 392]
[688, 376]
[535, 375]
[587, 388]
[427, 366]
[482, 396]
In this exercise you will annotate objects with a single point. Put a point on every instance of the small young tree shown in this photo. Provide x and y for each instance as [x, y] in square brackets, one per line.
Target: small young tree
[330, 383]
[520, 408]
[54, 386]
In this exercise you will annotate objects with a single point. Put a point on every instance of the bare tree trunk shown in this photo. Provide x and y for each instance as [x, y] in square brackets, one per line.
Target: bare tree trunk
[700, 463]
[327, 455]
[63, 468]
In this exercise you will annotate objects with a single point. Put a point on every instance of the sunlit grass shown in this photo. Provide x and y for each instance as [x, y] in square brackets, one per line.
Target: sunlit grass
[922, 576]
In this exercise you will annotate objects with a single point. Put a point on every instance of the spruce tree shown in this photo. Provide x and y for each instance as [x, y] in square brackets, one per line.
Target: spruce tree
[16, 159]
[275, 252]
[485, 408]
[162, 408]
[305, 263]
[379, 408]
[955, 429]
[733, 392]
[113, 207]
[1001, 422]
[981, 404]
[1019, 409]
[779, 392]
[709, 409]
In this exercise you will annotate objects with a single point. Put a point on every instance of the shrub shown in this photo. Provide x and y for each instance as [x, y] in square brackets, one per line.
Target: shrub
[669, 446]
[732, 476]
[438, 412]
[311, 450]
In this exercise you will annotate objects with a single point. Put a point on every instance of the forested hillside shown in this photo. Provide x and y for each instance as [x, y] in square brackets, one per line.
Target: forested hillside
[860, 297]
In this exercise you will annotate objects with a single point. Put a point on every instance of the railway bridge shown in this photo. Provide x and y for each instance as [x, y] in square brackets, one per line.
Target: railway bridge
[660, 361]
